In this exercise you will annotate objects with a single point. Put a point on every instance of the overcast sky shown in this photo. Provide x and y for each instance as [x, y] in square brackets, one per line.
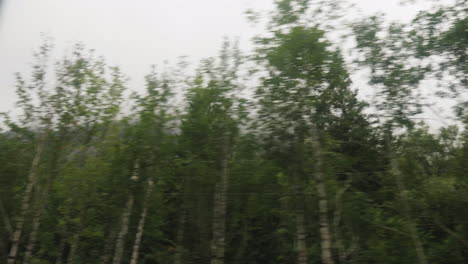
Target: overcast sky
[133, 34]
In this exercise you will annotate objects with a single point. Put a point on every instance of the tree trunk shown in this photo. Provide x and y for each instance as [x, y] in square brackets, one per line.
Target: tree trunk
[141, 225]
[40, 206]
[325, 239]
[219, 217]
[422, 259]
[301, 244]
[38, 210]
[120, 242]
[25, 204]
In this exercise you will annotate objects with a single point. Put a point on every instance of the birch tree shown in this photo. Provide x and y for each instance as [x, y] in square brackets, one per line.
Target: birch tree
[36, 112]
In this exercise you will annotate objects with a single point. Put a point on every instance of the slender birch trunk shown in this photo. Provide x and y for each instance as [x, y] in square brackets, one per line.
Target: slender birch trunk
[301, 244]
[120, 242]
[420, 253]
[26, 203]
[219, 217]
[41, 204]
[141, 225]
[325, 237]
[35, 226]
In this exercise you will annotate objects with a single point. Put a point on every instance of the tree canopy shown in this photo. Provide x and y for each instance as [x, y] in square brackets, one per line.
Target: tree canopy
[267, 157]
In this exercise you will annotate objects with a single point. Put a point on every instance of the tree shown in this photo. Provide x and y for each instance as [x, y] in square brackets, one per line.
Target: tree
[304, 98]
[211, 121]
[397, 56]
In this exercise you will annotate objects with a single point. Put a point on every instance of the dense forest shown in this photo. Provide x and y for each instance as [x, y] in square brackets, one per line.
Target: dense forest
[266, 156]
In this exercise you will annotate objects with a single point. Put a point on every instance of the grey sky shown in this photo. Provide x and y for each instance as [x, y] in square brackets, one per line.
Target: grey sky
[132, 34]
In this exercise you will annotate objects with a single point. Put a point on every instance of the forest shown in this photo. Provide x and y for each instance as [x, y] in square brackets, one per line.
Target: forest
[268, 156]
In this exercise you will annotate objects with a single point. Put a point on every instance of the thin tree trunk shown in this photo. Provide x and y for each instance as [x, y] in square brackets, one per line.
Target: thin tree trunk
[219, 217]
[41, 204]
[38, 210]
[141, 225]
[120, 243]
[325, 237]
[422, 259]
[301, 244]
[26, 203]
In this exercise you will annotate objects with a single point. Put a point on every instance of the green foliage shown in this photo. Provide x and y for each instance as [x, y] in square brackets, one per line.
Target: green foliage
[97, 156]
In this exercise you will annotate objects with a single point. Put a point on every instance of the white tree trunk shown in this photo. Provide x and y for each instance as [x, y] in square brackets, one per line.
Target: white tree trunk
[26, 203]
[120, 242]
[141, 225]
[218, 241]
[301, 244]
[38, 210]
[325, 238]
[41, 203]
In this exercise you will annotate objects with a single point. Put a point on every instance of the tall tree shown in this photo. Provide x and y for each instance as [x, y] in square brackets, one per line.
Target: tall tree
[39, 114]
[305, 90]
[211, 121]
